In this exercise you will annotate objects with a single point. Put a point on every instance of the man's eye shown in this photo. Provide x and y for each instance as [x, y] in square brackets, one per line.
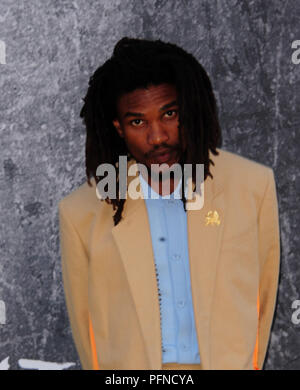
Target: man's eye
[170, 113]
[136, 122]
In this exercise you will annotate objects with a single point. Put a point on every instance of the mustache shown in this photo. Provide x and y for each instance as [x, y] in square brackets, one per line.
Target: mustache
[163, 149]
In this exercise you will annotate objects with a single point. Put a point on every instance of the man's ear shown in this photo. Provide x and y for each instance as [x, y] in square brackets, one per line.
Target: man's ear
[117, 126]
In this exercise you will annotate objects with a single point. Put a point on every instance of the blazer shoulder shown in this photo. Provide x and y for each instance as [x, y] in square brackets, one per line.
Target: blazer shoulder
[231, 168]
[82, 197]
[81, 205]
[236, 161]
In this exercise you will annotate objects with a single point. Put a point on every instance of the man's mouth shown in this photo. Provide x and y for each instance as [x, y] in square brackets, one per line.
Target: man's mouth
[162, 156]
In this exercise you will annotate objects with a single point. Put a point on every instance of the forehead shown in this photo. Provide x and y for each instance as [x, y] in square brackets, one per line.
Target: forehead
[143, 98]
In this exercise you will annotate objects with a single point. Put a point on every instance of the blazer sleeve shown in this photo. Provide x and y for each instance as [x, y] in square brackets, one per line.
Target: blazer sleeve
[74, 261]
[269, 259]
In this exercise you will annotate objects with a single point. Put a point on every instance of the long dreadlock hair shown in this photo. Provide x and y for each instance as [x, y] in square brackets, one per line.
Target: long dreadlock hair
[139, 63]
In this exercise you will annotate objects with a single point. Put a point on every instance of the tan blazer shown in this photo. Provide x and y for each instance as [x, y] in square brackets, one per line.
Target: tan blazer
[110, 283]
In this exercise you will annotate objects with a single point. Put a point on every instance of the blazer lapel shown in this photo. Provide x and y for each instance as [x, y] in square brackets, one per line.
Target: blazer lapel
[204, 245]
[133, 238]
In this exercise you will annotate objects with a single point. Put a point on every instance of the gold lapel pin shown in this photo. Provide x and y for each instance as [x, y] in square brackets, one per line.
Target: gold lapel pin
[212, 218]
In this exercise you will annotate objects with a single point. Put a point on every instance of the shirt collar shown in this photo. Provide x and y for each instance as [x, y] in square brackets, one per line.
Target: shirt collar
[154, 195]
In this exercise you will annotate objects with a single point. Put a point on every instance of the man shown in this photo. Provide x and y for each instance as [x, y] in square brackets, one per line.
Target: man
[152, 283]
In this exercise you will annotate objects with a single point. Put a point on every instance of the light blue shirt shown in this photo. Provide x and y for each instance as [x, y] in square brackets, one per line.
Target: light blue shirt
[168, 225]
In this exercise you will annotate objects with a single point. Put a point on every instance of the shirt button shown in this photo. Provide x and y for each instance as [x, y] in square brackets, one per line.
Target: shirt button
[180, 303]
[176, 257]
[185, 347]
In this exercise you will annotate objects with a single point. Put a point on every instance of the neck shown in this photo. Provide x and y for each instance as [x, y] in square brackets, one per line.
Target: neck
[163, 186]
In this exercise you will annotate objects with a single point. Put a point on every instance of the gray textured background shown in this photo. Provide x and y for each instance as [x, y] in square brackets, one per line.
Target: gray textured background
[52, 48]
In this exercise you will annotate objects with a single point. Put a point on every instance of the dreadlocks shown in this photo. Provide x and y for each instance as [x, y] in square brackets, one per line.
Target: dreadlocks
[139, 63]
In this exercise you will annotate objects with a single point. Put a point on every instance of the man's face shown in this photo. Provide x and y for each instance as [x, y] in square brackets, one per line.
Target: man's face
[148, 121]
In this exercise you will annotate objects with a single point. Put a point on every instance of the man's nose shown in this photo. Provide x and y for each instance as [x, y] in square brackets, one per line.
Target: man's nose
[157, 134]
